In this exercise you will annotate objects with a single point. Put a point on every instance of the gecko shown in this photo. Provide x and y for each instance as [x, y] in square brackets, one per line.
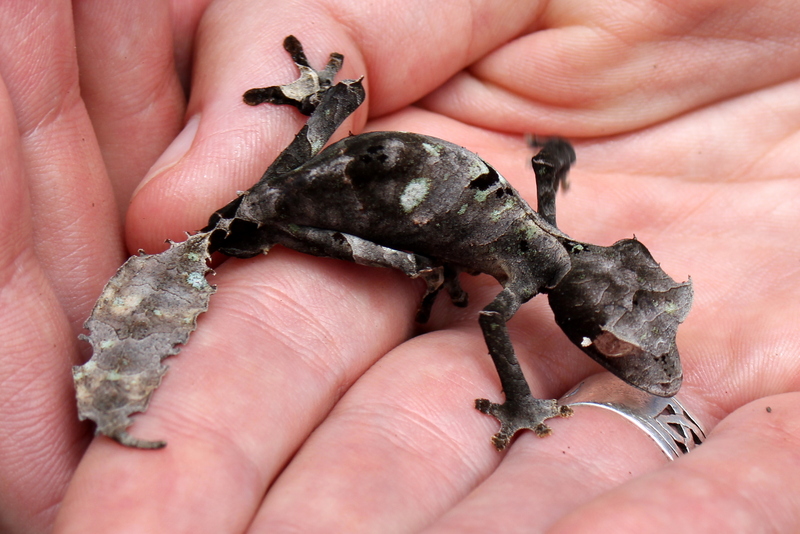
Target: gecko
[433, 210]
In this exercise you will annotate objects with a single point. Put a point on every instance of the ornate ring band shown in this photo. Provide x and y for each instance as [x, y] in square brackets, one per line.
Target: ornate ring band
[665, 420]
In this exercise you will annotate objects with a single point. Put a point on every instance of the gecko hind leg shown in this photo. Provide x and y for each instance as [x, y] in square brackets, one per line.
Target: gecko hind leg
[338, 245]
[436, 278]
[521, 410]
[363, 252]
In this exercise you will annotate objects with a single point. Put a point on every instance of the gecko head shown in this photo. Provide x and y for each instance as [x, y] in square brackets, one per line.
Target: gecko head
[623, 310]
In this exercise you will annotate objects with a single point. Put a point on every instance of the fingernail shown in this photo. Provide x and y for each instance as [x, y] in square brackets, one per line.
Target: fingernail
[174, 152]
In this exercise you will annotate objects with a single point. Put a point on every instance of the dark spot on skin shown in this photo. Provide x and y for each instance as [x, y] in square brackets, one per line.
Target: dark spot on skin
[485, 181]
[338, 237]
[375, 152]
[500, 193]
[360, 178]
[523, 246]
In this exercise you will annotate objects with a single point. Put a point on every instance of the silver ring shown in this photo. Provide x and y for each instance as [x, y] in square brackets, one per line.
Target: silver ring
[665, 420]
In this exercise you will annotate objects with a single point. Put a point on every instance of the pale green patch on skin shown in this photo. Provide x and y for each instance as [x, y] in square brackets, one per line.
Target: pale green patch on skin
[414, 194]
[316, 145]
[196, 280]
[433, 150]
[480, 196]
[531, 231]
[498, 213]
[477, 168]
[463, 209]
[82, 371]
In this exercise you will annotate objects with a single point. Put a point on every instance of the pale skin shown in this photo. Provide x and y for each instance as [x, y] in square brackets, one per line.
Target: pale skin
[302, 403]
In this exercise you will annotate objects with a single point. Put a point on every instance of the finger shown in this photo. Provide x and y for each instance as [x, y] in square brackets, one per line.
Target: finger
[129, 84]
[601, 70]
[239, 47]
[40, 440]
[738, 481]
[270, 358]
[59, 241]
[185, 20]
[402, 447]
[73, 212]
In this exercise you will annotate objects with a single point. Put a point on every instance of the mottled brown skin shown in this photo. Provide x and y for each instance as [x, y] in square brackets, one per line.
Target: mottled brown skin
[134, 325]
[393, 188]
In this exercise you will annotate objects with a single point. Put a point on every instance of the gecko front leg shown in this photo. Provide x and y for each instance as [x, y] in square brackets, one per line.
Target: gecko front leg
[521, 409]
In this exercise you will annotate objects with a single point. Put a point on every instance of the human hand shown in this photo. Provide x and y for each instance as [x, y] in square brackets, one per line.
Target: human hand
[61, 237]
[402, 449]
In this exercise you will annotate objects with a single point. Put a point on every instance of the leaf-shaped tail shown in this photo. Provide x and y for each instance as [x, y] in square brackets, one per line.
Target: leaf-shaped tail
[147, 308]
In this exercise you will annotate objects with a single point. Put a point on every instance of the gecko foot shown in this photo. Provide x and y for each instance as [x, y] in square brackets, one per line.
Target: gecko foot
[516, 416]
[305, 93]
